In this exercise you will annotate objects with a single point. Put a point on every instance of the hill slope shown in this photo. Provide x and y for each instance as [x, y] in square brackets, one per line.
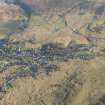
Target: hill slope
[56, 53]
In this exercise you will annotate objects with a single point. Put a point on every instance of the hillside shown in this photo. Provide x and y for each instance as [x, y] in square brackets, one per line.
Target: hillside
[12, 17]
[52, 52]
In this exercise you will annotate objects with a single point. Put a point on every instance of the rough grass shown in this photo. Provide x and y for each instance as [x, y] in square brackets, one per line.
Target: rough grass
[83, 80]
[77, 82]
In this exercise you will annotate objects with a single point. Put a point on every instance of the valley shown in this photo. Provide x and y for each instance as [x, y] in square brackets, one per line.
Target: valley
[52, 52]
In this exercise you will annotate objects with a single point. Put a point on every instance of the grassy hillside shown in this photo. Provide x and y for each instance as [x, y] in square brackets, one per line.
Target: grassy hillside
[58, 57]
